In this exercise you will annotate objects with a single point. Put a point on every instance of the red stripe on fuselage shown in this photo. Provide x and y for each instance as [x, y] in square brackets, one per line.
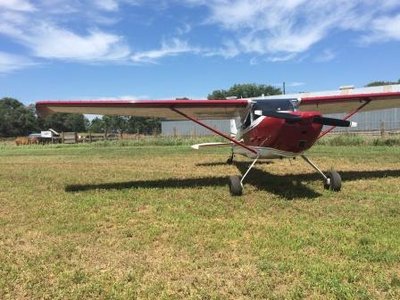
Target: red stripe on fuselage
[283, 135]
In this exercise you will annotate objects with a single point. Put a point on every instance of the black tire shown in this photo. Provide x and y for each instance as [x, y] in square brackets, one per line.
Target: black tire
[335, 181]
[235, 187]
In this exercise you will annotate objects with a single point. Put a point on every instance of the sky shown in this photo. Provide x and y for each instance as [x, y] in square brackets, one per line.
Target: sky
[147, 49]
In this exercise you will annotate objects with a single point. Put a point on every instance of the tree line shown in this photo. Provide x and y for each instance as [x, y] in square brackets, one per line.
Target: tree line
[16, 119]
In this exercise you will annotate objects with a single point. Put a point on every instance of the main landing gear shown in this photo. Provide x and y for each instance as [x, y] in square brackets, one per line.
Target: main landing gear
[236, 182]
[332, 179]
[229, 161]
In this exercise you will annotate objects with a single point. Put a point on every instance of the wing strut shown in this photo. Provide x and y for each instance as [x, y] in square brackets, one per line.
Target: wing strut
[348, 116]
[215, 131]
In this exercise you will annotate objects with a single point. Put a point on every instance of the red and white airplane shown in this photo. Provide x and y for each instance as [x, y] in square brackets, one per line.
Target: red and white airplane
[281, 126]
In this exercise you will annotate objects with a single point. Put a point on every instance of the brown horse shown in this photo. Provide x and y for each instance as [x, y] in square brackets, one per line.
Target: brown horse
[23, 140]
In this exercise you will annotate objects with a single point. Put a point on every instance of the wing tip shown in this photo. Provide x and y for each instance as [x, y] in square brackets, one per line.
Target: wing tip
[42, 110]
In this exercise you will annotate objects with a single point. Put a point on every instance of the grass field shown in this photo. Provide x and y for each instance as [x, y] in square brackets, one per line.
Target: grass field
[157, 222]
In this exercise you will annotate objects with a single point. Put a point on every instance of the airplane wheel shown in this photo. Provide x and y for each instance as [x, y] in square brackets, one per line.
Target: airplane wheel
[335, 181]
[235, 187]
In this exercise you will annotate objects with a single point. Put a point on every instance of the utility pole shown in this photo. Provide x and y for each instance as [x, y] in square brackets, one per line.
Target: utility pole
[284, 88]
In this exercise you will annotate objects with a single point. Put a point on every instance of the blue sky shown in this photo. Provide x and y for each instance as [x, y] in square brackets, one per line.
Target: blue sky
[145, 49]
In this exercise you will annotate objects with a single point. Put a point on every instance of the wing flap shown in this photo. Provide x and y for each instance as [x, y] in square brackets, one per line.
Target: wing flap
[201, 109]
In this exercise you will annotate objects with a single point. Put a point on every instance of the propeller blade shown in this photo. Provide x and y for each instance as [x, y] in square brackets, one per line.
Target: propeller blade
[295, 118]
[281, 115]
[334, 122]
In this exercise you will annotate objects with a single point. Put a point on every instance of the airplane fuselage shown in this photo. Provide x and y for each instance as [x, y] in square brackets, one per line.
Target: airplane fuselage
[277, 137]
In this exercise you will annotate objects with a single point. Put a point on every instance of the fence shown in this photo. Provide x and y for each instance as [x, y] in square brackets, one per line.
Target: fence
[75, 137]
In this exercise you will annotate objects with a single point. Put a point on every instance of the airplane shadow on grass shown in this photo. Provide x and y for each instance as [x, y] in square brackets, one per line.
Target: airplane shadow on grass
[289, 187]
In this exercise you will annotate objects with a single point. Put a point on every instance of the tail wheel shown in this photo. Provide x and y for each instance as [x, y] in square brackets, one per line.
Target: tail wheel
[334, 182]
[235, 186]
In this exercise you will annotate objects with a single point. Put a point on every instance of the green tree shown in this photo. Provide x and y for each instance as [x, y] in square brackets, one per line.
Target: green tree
[65, 122]
[16, 119]
[245, 90]
[115, 123]
[97, 125]
[143, 125]
[378, 83]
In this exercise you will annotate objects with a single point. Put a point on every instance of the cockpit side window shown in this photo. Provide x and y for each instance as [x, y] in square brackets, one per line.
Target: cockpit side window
[247, 120]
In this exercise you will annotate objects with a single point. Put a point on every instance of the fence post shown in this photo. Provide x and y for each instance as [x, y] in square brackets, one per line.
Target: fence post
[62, 137]
[76, 137]
[382, 128]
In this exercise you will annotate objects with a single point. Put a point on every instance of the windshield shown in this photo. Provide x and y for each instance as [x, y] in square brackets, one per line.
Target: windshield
[269, 105]
[276, 105]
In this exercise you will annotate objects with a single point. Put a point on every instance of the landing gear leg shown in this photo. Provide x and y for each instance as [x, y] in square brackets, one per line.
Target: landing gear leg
[230, 159]
[236, 182]
[332, 179]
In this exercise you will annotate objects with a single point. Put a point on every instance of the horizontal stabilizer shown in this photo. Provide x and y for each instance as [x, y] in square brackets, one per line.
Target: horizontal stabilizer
[198, 146]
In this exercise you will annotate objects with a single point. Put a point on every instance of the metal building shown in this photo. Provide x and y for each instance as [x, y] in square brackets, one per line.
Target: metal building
[189, 128]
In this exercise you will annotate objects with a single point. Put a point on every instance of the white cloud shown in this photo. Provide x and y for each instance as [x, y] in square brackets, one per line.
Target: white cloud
[184, 29]
[39, 29]
[282, 58]
[384, 29]
[228, 49]
[17, 5]
[264, 30]
[11, 62]
[168, 48]
[48, 41]
[295, 84]
[289, 27]
[326, 55]
[60, 7]
[108, 5]
[57, 43]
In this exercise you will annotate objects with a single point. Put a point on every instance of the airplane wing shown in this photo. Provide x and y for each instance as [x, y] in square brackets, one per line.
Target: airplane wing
[168, 109]
[345, 101]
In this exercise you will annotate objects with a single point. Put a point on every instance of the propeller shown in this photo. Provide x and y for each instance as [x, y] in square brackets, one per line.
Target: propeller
[295, 118]
[334, 122]
[279, 115]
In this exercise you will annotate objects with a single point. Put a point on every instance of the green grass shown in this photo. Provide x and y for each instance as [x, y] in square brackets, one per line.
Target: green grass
[114, 221]
[354, 139]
